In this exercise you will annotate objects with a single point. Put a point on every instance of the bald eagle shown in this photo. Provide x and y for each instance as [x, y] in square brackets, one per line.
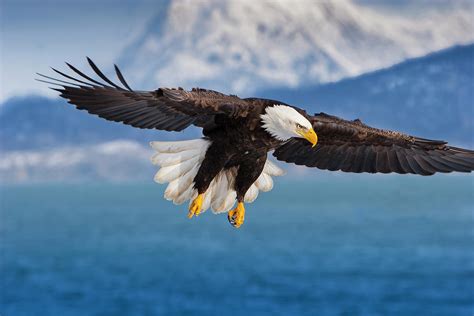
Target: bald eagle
[230, 162]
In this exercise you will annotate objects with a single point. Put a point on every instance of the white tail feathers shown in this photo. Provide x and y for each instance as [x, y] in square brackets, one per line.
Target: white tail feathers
[180, 162]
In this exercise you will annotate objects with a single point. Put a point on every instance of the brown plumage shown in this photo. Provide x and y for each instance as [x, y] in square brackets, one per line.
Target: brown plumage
[239, 140]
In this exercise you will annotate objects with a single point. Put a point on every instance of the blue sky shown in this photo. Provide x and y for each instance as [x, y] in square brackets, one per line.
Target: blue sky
[37, 34]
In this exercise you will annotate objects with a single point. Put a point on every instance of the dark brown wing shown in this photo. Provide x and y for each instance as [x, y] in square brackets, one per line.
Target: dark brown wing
[351, 146]
[164, 109]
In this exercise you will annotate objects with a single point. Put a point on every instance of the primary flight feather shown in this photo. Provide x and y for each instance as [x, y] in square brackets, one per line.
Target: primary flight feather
[229, 164]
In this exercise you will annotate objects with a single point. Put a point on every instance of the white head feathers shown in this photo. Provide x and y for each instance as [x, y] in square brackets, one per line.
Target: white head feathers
[283, 122]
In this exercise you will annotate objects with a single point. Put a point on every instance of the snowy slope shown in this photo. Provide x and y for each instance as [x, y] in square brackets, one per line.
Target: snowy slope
[243, 46]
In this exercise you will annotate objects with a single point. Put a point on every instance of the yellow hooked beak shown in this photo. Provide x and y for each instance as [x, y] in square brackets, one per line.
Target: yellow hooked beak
[310, 136]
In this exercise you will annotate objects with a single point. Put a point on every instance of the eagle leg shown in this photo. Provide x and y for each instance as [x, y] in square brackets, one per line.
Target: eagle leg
[196, 205]
[237, 215]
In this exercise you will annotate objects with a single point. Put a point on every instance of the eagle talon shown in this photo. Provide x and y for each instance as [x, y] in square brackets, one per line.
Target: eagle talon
[237, 215]
[195, 207]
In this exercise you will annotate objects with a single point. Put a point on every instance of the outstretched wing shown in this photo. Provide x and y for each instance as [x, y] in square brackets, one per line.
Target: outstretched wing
[164, 109]
[352, 146]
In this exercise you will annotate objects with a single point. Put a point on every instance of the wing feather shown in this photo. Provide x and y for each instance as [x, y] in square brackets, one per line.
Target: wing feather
[356, 165]
[121, 78]
[101, 75]
[394, 163]
[382, 162]
[164, 108]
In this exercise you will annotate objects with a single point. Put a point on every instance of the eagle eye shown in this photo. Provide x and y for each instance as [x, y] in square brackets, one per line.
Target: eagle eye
[299, 126]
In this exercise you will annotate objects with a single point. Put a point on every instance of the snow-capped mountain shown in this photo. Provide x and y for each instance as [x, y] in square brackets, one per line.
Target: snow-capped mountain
[246, 45]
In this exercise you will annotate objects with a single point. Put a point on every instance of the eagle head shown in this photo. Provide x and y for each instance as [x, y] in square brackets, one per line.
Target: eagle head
[284, 122]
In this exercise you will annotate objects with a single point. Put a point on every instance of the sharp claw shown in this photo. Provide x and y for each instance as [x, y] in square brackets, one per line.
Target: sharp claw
[236, 216]
[195, 207]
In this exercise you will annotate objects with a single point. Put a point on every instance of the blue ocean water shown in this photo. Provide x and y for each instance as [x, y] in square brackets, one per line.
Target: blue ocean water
[322, 245]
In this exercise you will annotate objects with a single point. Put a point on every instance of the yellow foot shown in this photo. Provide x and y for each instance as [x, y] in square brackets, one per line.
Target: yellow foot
[237, 215]
[195, 207]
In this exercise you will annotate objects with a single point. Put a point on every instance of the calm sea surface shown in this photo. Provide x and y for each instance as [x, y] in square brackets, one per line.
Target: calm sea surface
[324, 245]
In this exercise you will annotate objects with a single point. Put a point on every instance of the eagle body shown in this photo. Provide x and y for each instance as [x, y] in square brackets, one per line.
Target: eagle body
[237, 143]
[229, 165]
